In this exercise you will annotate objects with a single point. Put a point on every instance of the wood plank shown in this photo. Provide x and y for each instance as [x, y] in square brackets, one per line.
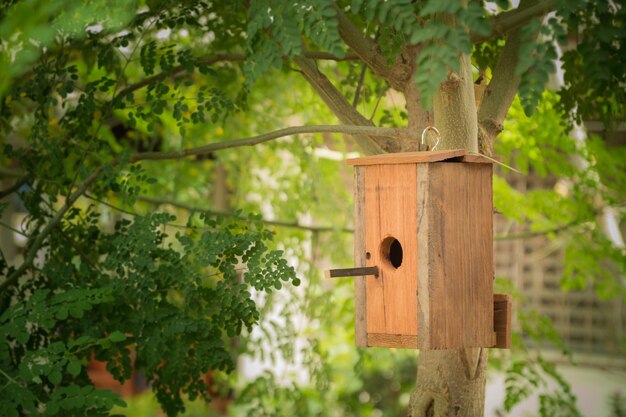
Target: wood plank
[435, 285]
[390, 213]
[392, 340]
[375, 298]
[423, 262]
[407, 157]
[461, 256]
[360, 326]
[502, 312]
[398, 200]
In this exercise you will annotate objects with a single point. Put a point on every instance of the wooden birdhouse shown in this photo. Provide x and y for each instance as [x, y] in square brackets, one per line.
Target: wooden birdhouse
[424, 252]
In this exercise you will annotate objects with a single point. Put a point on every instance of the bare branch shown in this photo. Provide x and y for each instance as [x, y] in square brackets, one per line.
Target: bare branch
[266, 137]
[39, 239]
[278, 223]
[506, 22]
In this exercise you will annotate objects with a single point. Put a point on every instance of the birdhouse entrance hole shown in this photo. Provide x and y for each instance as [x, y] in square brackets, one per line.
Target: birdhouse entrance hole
[391, 251]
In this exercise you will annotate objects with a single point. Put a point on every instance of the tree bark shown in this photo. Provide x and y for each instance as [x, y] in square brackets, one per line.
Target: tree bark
[450, 383]
[455, 110]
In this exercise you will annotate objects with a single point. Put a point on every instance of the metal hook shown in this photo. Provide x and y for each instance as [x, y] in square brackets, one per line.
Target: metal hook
[434, 129]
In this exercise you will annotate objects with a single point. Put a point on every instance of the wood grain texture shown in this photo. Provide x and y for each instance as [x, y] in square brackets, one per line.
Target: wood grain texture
[391, 340]
[360, 326]
[407, 157]
[375, 297]
[461, 256]
[423, 263]
[502, 312]
[475, 159]
[390, 206]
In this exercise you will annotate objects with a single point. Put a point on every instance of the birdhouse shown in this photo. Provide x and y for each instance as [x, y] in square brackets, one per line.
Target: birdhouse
[424, 252]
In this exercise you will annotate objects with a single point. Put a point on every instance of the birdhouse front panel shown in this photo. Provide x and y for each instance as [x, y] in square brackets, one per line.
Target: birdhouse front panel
[390, 243]
[424, 222]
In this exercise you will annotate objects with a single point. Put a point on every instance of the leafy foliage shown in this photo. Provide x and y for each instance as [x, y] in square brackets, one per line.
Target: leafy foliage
[442, 39]
[523, 379]
[594, 81]
[174, 307]
[568, 213]
[43, 372]
[274, 31]
[618, 405]
[592, 75]
[526, 372]
[535, 64]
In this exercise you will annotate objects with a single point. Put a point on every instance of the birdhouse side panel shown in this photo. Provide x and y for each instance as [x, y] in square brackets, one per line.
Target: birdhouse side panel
[460, 285]
[390, 206]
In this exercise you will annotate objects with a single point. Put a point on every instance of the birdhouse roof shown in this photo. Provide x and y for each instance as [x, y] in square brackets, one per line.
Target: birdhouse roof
[451, 155]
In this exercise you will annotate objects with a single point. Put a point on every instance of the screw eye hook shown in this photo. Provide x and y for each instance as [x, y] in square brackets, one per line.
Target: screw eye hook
[434, 129]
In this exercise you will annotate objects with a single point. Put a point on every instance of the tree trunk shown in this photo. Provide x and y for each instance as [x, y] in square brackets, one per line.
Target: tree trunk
[452, 382]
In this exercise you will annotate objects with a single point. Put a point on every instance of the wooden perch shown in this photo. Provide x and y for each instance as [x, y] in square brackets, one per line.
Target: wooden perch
[351, 272]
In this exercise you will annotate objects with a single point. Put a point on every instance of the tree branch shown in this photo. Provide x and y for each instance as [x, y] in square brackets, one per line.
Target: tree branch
[338, 104]
[506, 22]
[279, 223]
[8, 172]
[13, 188]
[266, 137]
[213, 59]
[418, 117]
[295, 225]
[537, 233]
[364, 47]
[396, 74]
[210, 60]
[454, 104]
[501, 90]
[327, 56]
[13, 229]
[39, 239]
[359, 85]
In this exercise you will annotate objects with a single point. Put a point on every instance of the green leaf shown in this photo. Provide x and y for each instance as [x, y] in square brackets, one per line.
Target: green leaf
[62, 313]
[74, 367]
[55, 376]
[117, 336]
